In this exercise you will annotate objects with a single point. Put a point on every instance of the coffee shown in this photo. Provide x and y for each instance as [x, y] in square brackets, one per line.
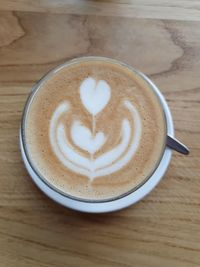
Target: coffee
[94, 129]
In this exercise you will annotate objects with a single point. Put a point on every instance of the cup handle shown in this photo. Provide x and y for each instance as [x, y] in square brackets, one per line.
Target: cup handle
[176, 145]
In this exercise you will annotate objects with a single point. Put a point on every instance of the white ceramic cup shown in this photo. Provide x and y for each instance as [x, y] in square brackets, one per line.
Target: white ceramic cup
[107, 205]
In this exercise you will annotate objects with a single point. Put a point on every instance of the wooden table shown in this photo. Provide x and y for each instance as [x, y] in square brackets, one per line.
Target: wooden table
[162, 39]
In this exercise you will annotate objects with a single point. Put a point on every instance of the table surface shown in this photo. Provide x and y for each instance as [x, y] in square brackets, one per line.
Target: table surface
[162, 39]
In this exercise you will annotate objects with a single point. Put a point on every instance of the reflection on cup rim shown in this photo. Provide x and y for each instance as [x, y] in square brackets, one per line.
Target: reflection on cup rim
[107, 205]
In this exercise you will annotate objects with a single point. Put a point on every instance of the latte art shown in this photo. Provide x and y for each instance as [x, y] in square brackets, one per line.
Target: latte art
[94, 130]
[94, 96]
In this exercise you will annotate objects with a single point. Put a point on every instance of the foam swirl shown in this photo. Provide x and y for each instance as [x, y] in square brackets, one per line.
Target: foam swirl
[107, 163]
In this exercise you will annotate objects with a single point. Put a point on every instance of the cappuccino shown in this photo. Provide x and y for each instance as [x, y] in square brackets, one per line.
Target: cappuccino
[94, 129]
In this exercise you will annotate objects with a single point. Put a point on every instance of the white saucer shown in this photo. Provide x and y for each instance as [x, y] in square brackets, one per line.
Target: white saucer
[117, 204]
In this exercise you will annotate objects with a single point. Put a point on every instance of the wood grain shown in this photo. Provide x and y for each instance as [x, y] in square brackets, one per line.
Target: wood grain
[155, 9]
[161, 230]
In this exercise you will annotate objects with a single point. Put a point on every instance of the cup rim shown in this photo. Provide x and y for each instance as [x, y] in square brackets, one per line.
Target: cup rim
[54, 192]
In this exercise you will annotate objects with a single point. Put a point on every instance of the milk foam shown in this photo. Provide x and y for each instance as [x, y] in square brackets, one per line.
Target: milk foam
[83, 138]
[95, 130]
[94, 95]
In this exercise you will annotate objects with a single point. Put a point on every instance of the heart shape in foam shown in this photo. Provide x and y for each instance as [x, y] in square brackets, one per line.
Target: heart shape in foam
[94, 95]
[82, 137]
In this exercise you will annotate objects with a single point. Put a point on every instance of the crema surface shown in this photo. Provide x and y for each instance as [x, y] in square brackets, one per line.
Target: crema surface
[95, 130]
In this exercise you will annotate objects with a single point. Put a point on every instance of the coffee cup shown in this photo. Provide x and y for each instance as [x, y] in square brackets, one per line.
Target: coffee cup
[96, 135]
